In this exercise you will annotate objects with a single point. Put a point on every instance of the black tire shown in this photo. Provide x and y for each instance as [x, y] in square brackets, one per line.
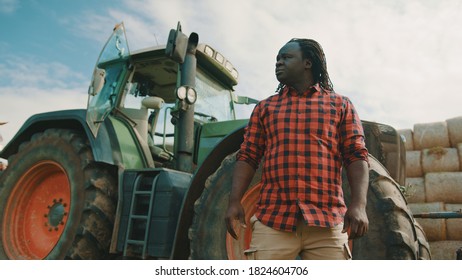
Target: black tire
[392, 228]
[424, 246]
[83, 216]
[393, 232]
[208, 235]
[208, 231]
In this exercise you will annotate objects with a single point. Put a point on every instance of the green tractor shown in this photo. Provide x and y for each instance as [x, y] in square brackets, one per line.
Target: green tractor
[144, 172]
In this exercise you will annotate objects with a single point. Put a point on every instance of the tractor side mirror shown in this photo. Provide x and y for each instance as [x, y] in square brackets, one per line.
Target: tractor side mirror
[97, 81]
[244, 100]
[176, 45]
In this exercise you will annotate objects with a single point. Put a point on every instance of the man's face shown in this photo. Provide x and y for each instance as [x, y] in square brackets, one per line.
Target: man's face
[290, 65]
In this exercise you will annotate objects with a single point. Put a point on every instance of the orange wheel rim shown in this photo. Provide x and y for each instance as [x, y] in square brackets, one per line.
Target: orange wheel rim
[236, 248]
[36, 212]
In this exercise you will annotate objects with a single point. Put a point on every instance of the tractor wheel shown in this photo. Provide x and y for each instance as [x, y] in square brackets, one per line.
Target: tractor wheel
[55, 201]
[424, 247]
[393, 233]
[208, 234]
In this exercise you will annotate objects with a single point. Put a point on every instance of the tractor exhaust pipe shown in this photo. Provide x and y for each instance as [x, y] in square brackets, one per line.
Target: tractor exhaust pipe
[185, 125]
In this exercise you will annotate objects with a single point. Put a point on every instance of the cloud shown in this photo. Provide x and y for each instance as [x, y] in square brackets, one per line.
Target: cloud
[399, 61]
[394, 59]
[401, 67]
[92, 26]
[9, 6]
[27, 70]
[29, 87]
[23, 102]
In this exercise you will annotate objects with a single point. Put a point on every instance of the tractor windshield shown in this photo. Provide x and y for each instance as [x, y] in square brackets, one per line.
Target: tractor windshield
[155, 75]
[214, 101]
[214, 104]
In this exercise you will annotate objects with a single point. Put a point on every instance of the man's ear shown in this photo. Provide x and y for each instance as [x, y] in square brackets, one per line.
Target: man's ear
[308, 64]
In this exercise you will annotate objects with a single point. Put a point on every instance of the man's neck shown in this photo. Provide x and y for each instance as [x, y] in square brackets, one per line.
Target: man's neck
[303, 87]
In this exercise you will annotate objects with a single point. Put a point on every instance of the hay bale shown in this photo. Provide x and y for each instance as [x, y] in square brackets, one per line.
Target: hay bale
[415, 190]
[454, 226]
[414, 164]
[435, 229]
[454, 130]
[408, 137]
[429, 135]
[440, 159]
[459, 149]
[443, 186]
[445, 250]
[392, 158]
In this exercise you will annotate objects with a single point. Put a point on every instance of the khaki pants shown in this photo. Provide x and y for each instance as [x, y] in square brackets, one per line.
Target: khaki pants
[310, 243]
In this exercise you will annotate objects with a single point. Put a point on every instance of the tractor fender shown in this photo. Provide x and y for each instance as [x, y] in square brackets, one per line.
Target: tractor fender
[67, 119]
[226, 146]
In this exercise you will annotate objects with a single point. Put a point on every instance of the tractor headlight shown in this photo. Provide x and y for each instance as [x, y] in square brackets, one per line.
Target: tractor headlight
[191, 96]
[187, 93]
[181, 92]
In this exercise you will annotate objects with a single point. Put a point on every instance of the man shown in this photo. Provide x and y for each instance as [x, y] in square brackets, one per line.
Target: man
[305, 132]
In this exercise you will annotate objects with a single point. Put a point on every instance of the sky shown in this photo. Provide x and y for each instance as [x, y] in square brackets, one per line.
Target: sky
[398, 61]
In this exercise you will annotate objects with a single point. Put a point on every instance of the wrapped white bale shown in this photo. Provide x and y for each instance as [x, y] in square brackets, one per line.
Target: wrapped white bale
[435, 229]
[415, 190]
[459, 148]
[445, 250]
[414, 164]
[429, 135]
[391, 158]
[443, 186]
[455, 130]
[454, 226]
[409, 139]
[440, 159]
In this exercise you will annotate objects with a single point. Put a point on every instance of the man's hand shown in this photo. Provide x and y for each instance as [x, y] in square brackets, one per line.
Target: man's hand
[356, 222]
[242, 175]
[235, 212]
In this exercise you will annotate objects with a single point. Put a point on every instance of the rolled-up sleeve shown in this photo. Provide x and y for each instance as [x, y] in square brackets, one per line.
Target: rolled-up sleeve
[352, 144]
[253, 146]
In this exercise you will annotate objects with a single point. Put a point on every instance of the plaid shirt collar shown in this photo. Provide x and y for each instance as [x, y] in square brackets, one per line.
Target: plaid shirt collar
[312, 90]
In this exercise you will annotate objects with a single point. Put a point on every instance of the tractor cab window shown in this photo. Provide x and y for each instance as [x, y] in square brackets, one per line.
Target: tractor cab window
[157, 76]
[214, 101]
[100, 104]
[109, 70]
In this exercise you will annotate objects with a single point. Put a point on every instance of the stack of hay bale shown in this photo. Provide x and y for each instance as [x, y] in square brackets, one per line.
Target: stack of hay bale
[434, 181]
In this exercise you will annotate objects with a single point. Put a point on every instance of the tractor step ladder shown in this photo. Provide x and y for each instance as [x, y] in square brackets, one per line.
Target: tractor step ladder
[140, 216]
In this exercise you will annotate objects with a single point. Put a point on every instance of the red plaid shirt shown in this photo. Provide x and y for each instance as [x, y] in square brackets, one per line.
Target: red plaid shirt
[304, 140]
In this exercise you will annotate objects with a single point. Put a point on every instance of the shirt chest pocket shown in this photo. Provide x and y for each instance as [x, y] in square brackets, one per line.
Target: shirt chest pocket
[332, 120]
[327, 121]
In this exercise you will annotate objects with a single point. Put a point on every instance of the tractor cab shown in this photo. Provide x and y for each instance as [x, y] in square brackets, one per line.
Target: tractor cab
[144, 90]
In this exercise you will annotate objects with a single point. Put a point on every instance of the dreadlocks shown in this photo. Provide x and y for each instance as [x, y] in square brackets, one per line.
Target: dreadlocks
[312, 50]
